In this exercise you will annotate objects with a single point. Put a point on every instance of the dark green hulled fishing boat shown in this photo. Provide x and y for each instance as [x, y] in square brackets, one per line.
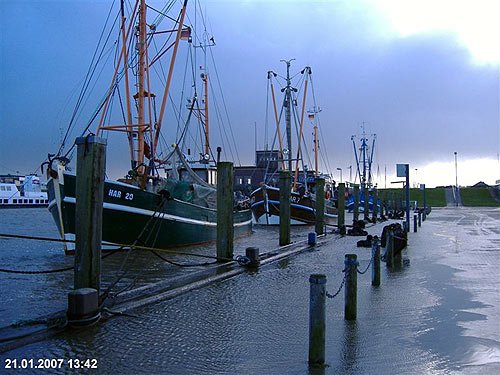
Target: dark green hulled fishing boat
[128, 210]
[168, 197]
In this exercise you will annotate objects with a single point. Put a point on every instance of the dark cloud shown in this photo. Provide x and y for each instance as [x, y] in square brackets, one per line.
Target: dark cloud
[423, 95]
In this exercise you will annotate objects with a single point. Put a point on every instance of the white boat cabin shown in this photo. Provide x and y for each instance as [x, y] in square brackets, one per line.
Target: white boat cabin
[27, 194]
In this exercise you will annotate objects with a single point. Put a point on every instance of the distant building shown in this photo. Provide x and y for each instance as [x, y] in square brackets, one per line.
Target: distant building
[480, 184]
[266, 169]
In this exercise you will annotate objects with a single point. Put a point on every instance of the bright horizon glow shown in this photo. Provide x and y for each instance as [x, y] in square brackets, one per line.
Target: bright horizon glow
[475, 22]
[435, 174]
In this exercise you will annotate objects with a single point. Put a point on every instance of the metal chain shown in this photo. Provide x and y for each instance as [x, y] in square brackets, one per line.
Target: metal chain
[366, 269]
[340, 288]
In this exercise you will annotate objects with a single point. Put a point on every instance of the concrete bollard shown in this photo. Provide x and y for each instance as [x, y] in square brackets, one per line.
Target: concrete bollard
[311, 238]
[351, 287]
[225, 221]
[419, 218]
[252, 253]
[317, 297]
[375, 261]
[414, 223]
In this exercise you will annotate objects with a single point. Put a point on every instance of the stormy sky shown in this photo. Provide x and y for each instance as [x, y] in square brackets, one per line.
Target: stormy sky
[424, 77]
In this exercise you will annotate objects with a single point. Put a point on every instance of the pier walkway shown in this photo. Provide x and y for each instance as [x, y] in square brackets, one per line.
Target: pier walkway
[437, 313]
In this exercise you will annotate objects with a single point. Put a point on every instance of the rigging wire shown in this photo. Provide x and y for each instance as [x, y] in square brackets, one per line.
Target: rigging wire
[324, 155]
[224, 105]
[266, 120]
[89, 75]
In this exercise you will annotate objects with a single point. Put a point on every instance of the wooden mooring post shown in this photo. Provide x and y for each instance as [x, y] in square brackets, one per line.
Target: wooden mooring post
[285, 191]
[351, 286]
[375, 204]
[317, 297]
[341, 207]
[83, 301]
[375, 261]
[90, 165]
[419, 218]
[415, 223]
[225, 220]
[389, 249]
[366, 206]
[320, 206]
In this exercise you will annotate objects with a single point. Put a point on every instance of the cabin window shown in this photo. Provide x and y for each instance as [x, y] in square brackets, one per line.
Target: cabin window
[9, 188]
[249, 181]
[5, 201]
[31, 201]
[2, 188]
[37, 201]
[240, 181]
[25, 201]
[14, 201]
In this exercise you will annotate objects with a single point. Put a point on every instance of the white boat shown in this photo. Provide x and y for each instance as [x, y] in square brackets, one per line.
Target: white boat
[26, 193]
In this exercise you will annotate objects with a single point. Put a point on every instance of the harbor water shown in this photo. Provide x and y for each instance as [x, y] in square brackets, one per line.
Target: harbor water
[438, 313]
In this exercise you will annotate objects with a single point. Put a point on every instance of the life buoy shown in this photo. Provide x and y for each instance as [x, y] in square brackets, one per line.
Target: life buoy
[328, 194]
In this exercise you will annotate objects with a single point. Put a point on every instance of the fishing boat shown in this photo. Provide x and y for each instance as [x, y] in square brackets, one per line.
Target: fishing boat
[167, 198]
[363, 154]
[265, 199]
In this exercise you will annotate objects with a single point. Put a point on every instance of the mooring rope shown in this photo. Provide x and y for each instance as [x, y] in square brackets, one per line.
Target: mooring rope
[36, 272]
[182, 264]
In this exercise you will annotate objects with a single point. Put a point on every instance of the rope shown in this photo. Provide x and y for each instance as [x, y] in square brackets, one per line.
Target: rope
[242, 260]
[36, 272]
[182, 264]
[121, 247]
[399, 238]
[36, 238]
[121, 270]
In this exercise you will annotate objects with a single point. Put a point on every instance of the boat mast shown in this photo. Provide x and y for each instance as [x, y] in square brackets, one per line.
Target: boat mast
[169, 77]
[127, 86]
[204, 77]
[306, 71]
[288, 108]
[316, 146]
[270, 74]
[363, 150]
[141, 45]
[365, 175]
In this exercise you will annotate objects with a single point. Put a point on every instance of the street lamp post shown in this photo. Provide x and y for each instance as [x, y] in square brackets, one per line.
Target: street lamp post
[456, 180]
[340, 169]
[416, 179]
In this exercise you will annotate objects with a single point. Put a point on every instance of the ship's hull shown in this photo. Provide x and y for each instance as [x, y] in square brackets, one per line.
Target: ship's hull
[131, 215]
[265, 204]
